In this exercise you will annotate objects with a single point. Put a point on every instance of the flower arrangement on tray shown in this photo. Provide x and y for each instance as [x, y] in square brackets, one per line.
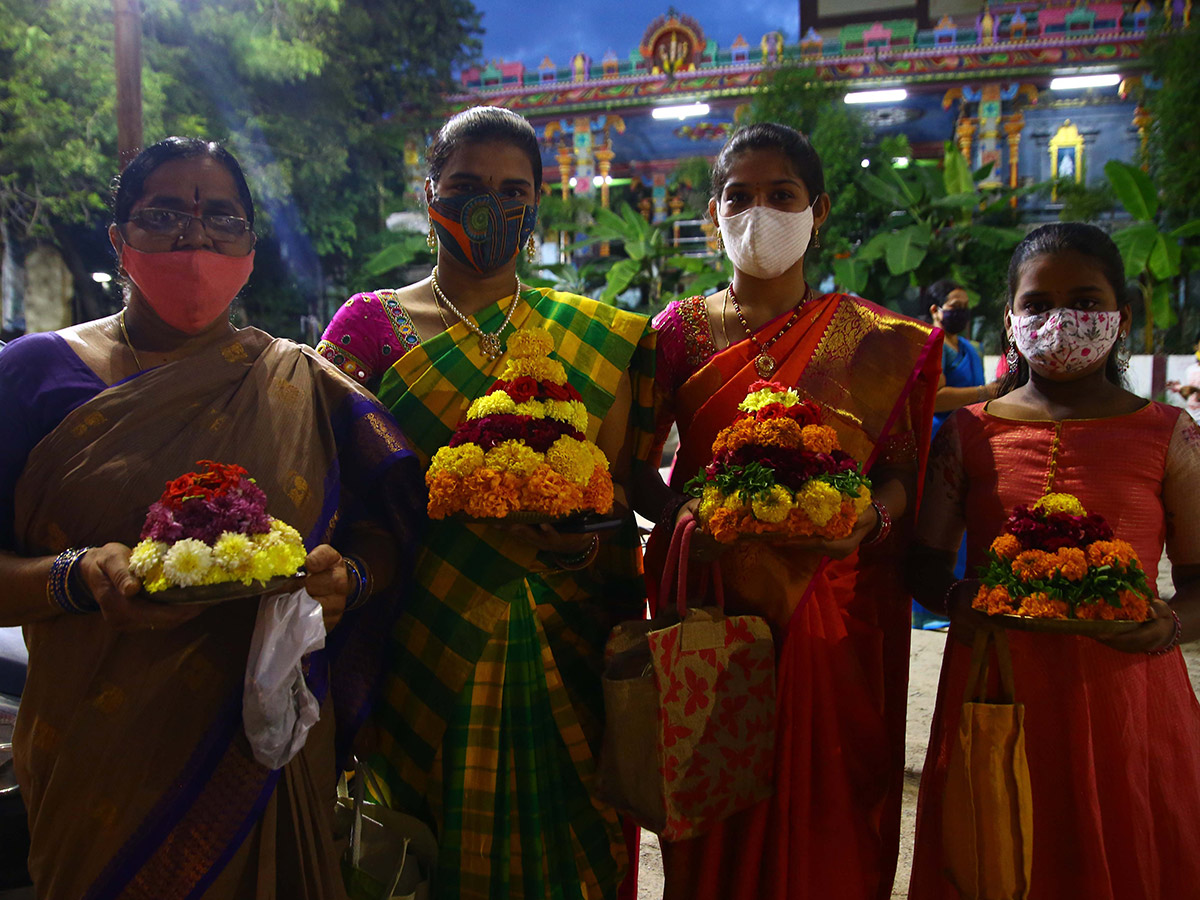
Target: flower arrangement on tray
[521, 453]
[777, 469]
[1055, 561]
[212, 527]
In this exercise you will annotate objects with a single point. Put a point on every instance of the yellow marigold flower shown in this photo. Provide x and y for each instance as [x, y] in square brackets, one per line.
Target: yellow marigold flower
[734, 502]
[537, 369]
[862, 501]
[533, 408]
[156, 582]
[285, 532]
[818, 438]
[1060, 503]
[573, 412]
[820, 501]
[599, 460]
[498, 403]
[1006, 546]
[773, 505]
[777, 433]
[571, 459]
[146, 557]
[528, 343]
[710, 501]
[187, 562]
[513, 456]
[232, 551]
[461, 460]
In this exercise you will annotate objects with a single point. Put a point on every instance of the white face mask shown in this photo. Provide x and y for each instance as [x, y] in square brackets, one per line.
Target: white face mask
[1066, 341]
[766, 242]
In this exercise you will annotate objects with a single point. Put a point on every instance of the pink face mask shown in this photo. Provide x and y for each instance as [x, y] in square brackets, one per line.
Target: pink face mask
[1066, 341]
[188, 289]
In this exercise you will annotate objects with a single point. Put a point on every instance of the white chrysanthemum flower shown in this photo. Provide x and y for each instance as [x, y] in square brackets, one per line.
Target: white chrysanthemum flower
[146, 555]
[187, 562]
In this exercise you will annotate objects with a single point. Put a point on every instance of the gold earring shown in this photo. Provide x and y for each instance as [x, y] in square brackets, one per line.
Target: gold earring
[431, 238]
[817, 236]
[530, 250]
[720, 242]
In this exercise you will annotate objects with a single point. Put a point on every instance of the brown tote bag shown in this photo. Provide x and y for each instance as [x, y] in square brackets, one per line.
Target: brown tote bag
[987, 824]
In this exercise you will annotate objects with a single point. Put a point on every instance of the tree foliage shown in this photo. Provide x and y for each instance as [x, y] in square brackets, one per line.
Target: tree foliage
[316, 98]
[1175, 131]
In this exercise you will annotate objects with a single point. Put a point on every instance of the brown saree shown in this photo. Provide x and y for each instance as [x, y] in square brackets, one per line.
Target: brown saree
[129, 746]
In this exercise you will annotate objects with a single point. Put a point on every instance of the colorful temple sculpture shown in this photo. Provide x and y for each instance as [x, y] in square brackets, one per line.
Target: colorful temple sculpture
[976, 74]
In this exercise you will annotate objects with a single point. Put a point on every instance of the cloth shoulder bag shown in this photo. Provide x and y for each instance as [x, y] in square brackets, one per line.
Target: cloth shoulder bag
[690, 710]
[987, 825]
[390, 855]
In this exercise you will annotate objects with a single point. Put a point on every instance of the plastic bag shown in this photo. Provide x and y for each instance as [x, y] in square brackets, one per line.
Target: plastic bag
[278, 709]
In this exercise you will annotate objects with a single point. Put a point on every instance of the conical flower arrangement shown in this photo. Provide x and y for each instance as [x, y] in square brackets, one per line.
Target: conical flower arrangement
[1055, 561]
[521, 453]
[779, 470]
[212, 527]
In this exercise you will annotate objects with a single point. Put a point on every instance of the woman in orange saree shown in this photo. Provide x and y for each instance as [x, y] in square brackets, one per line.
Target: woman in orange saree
[838, 611]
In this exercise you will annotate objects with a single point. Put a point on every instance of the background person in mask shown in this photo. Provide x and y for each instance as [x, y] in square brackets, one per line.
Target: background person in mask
[838, 611]
[129, 746]
[490, 721]
[1112, 728]
[962, 367]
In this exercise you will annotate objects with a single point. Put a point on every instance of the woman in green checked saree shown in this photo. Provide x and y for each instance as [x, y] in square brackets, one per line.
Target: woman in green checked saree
[491, 716]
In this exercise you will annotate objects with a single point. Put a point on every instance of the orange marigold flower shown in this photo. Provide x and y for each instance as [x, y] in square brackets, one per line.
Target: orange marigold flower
[818, 438]
[739, 434]
[724, 525]
[1134, 606]
[993, 601]
[1006, 546]
[484, 494]
[781, 432]
[598, 494]
[1098, 610]
[1030, 565]
[445, 495]
[1039, 606]
[1071, 562]
[1110, 553]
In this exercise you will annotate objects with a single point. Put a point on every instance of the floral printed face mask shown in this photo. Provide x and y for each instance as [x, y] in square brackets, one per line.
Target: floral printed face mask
[1066, 341]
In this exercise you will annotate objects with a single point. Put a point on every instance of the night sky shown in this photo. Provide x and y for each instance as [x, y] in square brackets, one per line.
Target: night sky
[527, 30]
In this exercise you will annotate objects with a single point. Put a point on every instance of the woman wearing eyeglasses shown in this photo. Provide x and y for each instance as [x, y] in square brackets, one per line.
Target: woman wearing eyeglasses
[129, 747]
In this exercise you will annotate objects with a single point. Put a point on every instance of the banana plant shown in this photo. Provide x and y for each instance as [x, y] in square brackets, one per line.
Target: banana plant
[1152, 255]
[943, 219]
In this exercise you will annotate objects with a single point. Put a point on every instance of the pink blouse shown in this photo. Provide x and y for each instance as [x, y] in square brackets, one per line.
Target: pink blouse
[367, 334]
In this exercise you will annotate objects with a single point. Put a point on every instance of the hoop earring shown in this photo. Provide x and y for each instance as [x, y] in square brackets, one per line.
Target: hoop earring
[431, 238]
[530, 250]
[816, 238]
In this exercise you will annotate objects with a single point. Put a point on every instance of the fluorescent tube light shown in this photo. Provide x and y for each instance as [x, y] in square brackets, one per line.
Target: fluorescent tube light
[680, 112]
[1076, 82]
[891, 95]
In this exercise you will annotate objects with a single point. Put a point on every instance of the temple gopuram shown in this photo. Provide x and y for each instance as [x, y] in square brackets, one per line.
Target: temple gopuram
[989, 78]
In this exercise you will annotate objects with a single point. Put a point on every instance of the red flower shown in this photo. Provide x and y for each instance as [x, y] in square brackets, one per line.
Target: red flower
[771, 411]
[572, 394]
[806, 412]
[522, 389]
[497, 385]
[555, 391]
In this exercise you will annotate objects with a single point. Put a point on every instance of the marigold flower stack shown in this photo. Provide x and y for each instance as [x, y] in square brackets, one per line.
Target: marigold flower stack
[522, 446]
[211, 527]
[777, 469]
[1055, 561]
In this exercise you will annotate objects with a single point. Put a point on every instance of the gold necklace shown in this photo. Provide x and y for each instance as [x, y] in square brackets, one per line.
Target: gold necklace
[765, 362]
[489, 341]
[129, 343]
[724, 311]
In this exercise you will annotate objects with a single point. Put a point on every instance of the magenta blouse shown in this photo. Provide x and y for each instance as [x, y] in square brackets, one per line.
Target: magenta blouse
[367, 334]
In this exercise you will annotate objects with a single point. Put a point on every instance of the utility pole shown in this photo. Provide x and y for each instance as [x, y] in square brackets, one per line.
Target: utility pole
[127, 54]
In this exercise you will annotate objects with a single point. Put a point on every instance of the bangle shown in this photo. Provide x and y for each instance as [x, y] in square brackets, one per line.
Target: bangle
[1173, 642]
[61, 592]
[882, 528]
[671, 508]
[580, 560]
[363, 588]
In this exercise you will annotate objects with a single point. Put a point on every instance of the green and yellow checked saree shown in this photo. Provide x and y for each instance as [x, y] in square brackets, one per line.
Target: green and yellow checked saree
[492, 712]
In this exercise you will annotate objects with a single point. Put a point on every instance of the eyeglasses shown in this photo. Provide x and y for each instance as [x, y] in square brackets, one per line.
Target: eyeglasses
[172, 223]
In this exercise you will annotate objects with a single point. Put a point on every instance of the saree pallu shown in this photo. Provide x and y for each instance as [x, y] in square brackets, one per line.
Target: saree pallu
[832, 828]
[492, 712]
[129, 745]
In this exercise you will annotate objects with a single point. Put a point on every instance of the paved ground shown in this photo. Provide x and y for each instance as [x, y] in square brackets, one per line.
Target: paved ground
[924, 666]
